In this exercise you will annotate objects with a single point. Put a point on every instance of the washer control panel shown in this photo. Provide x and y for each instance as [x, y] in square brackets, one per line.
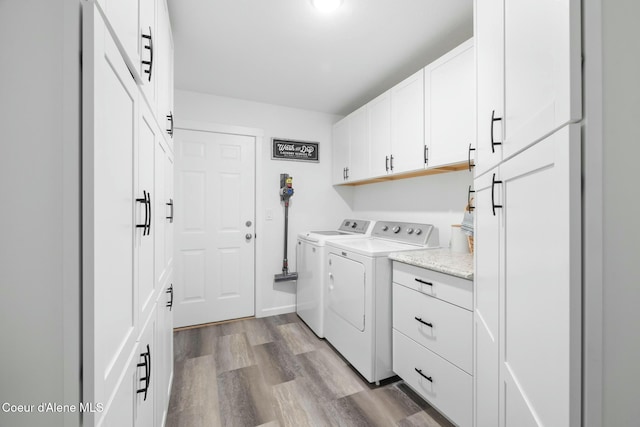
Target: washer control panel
[414, 233]
[358, 226]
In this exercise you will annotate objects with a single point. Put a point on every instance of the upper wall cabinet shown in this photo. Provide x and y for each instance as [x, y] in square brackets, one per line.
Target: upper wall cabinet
[449, 87]
[428, 116]
[538, 47]
[165, 72]
[407, 124]
[142, 30]
[351, 147]
[380, 134]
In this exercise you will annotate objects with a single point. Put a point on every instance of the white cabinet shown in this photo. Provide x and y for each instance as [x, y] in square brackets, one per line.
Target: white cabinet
[164, 351]
[449, 95]
[123, 17]
[528, 74]
[340, 154]
[110, 301]
[163, 212]
[407, 125]
[127, 183]
[529, 286]
[351, 147]
[358, 144]
[542, 70]
[165, 72]
[487, 234]
[146, 224]
[396, 128]
[433, 338]
[380, 134]
[489, 44]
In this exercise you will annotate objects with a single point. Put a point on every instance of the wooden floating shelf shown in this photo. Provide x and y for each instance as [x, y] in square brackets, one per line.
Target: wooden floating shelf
[423, 172]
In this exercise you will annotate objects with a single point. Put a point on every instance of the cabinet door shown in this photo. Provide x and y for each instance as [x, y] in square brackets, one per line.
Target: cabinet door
[110, 306]
[486, 303]
[540, 336]
[449, 93]
[149, 50]
[146, 201]
[489, 44]
[358, 144]
[163, 212]
[542, 63]
[164, 351]
[165, 72]
[407, 124]
[340, 150]
[379, 134]
[123, 16]
[147, 374]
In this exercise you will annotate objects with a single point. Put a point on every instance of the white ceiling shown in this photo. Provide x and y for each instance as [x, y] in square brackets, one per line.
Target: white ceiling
[285, 52]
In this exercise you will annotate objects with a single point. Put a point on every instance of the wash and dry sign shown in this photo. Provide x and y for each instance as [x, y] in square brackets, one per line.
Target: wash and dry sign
[287, 149]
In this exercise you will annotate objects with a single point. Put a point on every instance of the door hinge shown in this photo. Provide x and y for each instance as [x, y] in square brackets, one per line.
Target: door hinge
[426, 154]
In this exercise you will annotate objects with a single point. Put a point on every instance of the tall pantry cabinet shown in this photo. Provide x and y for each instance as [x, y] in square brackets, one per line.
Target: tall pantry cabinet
[527, 309]
[127, 211]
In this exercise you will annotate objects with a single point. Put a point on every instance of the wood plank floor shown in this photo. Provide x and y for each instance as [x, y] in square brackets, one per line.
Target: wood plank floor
[274, 372]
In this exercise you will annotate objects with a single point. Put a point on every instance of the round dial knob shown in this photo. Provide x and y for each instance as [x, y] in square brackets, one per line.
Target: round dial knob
[409, 230]
[354, 225]
[385, 228]
[418, 231]
[395, 229]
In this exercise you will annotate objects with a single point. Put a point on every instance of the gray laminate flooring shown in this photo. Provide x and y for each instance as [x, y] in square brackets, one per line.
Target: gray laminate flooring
[273, 372]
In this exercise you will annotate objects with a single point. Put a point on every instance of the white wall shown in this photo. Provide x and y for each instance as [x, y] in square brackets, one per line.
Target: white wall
[621, 204]
[40, 208]
[315, 204]
[434, 199]
[611, 206]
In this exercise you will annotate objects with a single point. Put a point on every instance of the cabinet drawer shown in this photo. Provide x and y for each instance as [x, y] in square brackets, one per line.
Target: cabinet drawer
[449, 389]
[443, 328]
[443, 286]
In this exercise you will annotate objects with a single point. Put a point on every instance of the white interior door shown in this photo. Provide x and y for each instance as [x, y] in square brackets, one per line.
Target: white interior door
[215, 223]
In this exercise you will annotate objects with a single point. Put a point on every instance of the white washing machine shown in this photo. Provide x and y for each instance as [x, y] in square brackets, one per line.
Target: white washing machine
[310, 266]
[358, 313]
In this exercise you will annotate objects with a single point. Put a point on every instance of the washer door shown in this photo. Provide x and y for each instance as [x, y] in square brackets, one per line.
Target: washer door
[347, 290]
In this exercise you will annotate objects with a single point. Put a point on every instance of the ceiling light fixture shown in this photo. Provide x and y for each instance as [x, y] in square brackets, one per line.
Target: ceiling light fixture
[326, 5]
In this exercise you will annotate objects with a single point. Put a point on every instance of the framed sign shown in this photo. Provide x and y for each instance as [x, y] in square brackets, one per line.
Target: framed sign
[288, 149]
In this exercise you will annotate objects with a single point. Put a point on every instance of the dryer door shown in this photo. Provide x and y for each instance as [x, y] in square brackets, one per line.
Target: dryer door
[347, 289]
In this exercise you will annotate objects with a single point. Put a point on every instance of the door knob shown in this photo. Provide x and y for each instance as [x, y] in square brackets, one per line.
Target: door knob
[248, 223]
[248, 236]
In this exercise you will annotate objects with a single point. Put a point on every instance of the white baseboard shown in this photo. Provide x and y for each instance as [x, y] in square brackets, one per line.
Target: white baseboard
[274, 311]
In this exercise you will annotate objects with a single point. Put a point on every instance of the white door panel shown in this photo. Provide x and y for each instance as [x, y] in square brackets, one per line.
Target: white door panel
[347, 290]
[215, 199]
[540, 334]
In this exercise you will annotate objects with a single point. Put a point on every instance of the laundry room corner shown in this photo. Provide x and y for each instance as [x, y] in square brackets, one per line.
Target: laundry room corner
[309, 206]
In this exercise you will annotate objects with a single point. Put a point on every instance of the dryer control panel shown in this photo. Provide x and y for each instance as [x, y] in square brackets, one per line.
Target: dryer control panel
[407, 232]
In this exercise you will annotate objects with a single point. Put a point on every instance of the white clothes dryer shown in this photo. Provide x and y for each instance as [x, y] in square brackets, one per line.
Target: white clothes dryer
[310, 265]
[358, 314]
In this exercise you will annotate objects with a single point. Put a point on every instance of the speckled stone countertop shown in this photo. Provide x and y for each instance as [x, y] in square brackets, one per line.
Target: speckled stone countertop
[441, 260]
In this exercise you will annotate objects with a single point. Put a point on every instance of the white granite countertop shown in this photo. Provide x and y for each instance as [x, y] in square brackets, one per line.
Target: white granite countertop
[441, 260]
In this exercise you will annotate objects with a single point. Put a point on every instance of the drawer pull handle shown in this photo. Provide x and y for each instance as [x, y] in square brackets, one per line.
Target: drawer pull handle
[423, 375]
[419, 319]
[423, 282]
